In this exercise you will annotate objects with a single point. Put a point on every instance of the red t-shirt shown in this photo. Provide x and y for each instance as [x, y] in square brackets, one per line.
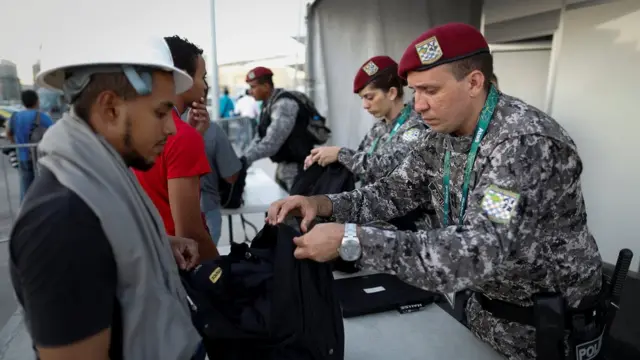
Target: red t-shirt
[183, 156]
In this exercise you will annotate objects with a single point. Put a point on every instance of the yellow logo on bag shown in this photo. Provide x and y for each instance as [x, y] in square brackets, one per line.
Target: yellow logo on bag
[215, 275]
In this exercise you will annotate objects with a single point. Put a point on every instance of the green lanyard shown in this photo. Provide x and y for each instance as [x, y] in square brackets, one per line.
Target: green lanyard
[481, 129]
[401, 120]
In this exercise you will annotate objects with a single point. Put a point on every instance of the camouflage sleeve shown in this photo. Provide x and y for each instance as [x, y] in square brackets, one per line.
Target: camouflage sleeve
[283, 119]
[394, 195]
[525, 176]
[380, 163]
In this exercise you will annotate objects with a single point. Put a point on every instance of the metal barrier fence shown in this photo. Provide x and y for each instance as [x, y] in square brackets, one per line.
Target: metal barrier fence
[240, 131]
[10, 180]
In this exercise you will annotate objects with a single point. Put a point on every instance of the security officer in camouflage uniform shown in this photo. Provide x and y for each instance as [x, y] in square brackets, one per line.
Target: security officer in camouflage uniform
[390, 139]
[505, 179]
[278, 125]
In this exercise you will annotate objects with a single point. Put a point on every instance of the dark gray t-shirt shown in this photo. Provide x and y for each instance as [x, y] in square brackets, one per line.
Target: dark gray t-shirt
[224, 163]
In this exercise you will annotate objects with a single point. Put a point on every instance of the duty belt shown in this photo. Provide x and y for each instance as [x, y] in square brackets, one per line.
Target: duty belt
[525, 314]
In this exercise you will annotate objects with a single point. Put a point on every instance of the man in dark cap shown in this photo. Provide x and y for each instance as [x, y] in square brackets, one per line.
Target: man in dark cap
[280, 126]
[505, 180]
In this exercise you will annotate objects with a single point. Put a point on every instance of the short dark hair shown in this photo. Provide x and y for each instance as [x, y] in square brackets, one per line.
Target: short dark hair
[482, 62]
[266, 79]
[184, 53]
[225, 90]
[494, 78]
[387, 79]
[29, 98]
[116, 82]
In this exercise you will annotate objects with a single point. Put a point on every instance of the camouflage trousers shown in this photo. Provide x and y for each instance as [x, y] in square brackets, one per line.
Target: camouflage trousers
[512, 340]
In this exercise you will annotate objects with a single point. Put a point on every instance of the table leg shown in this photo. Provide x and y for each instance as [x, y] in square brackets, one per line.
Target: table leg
[230, 229]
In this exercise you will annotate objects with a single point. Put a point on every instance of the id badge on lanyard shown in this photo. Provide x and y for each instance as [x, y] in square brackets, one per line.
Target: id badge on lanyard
[478, 135]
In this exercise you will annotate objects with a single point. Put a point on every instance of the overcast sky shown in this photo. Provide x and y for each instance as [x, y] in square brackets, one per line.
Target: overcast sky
[246, 29]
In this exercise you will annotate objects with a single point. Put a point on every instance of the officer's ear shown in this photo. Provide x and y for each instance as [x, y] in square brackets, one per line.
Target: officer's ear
[476, 81]
[392, 94]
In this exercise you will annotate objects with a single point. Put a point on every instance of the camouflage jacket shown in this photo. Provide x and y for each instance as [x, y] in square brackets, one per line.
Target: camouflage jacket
[524, 230]
[284, 112]
[389, 150]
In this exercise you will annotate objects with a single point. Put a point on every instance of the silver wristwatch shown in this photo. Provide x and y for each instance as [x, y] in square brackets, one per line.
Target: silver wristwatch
[350, 249]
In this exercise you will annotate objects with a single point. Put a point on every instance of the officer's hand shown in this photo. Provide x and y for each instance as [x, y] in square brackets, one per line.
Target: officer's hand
[185, 251]
[325, 155]
[295, 205]
[199, 116]
[308, 161]
[321, 243]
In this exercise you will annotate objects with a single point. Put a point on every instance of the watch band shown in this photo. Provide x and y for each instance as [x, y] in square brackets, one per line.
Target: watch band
[350, 230]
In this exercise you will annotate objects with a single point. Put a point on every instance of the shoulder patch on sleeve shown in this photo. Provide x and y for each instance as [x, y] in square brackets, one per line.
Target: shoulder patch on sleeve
[499, 204]
[411, 135]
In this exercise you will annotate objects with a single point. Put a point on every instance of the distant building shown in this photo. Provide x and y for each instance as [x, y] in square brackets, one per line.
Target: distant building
[9, 83]
[35, 69]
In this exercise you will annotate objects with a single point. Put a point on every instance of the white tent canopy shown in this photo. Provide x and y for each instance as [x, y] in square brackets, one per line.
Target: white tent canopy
[343, 34]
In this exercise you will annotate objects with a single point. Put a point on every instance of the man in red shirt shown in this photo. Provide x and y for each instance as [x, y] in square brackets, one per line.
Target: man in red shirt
[173, 183]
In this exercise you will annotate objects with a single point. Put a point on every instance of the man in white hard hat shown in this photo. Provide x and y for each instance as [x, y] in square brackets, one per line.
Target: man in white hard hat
[90, 262]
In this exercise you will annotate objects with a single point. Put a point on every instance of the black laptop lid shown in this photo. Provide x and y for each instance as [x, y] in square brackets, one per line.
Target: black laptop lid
[370, 294]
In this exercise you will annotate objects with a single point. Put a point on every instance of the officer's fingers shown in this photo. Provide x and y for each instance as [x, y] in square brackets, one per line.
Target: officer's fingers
[301, 251]
[308, 216]
[315, 151]
[272, 212]
[288, 206]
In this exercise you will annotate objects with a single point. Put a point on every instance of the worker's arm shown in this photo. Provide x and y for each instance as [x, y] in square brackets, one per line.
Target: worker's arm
[94, 347]
[186, 162]
[184, 199]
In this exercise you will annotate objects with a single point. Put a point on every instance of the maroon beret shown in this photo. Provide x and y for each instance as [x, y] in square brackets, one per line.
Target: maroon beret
[258, 72]
[440, 45]
[370, 69]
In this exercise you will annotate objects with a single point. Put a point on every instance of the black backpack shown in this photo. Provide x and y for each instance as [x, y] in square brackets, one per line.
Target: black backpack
[317, 130]
[319, 180]
[259, 302]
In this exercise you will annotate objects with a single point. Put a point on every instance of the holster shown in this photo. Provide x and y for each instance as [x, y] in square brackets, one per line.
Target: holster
[554, 322]
[549, 321]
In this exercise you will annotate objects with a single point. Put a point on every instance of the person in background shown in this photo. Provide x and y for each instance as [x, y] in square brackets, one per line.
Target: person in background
[281, 123]
[247, 106]
[227, 108]
[393, 135]
[225, 165]
[19, 131]
[173, 183]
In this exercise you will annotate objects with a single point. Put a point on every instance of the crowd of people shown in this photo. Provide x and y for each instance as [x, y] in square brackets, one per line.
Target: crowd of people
[127, 194]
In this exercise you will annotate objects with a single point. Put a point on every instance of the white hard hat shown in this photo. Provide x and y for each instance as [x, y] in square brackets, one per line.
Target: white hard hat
[82, 51]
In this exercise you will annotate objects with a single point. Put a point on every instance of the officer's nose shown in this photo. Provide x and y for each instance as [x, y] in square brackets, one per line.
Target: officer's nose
[366, 104]
[421, 105]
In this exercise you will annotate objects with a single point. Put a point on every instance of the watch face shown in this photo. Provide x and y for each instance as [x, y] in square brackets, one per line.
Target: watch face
[350, 250]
